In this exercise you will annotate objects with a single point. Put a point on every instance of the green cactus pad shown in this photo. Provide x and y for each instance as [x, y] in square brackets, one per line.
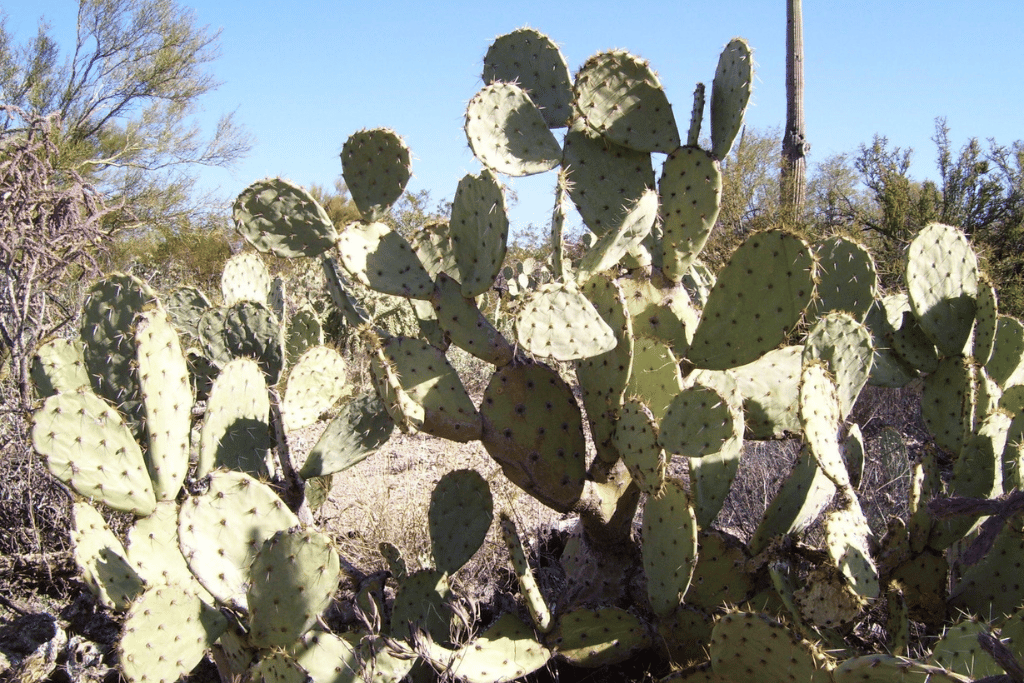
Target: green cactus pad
[167, 397]
[669, 546]
[853, 450]
[977, 473]
[153, 550]
[461, 510]
[636, 439]
[102, 559]
[277, 216]
[531, 59]
[559, 322]
[466, 326]
[221, 531]
[277, 667]
[947, 402]
[421, 604]
[362, 427]
[848, 540]
[1006, 366]
[604, 178]
[236, 432]
[826, 600]
[107, 325]
[506, 651]
[479, 231]
[304, 332]
[691, 196]
[87, 446]
[185, 305]
[350, 308]
[603, 378]
[888, 369]
[747, 646]
[533, 429]
[802, 497]
[660, 309]
[847, 279]
[212, 336]
[924, 578]
[539, 612]
[166, 633]
[770, 388]
[252, 331]
[730, 92]
[508, 133]
[621, 97]
[958, 651]
[382, 259]
[656, 378]
[422, 391]
[697, 422]
[986, 322]
[245, 278]
[942, 283]
[59, 365]
[820, 415]
[908, 339]
[720, 577]
[292, 579]
[327, 658]
[712, 474]
[376, 166]
[992, 587]
[315, 383]
[594, 638]
[890, 669]
[621, 239]
[844, 344]
[759, 296]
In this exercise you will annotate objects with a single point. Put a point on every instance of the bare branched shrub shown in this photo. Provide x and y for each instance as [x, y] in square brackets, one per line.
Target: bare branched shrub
[51, 224]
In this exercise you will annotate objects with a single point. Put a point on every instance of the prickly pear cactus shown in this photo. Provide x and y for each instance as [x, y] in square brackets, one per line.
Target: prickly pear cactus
[676, 370]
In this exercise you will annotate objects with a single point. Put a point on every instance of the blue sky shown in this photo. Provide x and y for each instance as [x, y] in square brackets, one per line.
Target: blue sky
[301, 76]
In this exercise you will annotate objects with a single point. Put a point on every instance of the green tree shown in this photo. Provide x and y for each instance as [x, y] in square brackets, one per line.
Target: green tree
[124, 95]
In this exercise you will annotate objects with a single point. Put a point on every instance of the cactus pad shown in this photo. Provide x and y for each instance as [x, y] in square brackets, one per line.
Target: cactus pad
[104, 563]
[277, 216]
[315, 383]
[730, 92]
[691, 196]
[166, 633]
[533, 429]
[479, 231]
[593, 638]
[758, 298]
[292, 579]
[87, 446]
[376, 167]
[221, 531]
[531, 59]
[747, 646]
[621, 97]
[382, 259]
[508, 133]
[461, 510]
[942, 283]
[236, 432]
[558, 322]
[669, 547]
[245, 278]
[422, 391]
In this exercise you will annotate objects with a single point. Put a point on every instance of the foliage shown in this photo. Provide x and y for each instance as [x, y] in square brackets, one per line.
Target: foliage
[124, 94]
[671, 363]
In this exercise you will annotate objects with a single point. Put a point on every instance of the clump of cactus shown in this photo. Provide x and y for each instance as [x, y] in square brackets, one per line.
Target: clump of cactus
[671, 361]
